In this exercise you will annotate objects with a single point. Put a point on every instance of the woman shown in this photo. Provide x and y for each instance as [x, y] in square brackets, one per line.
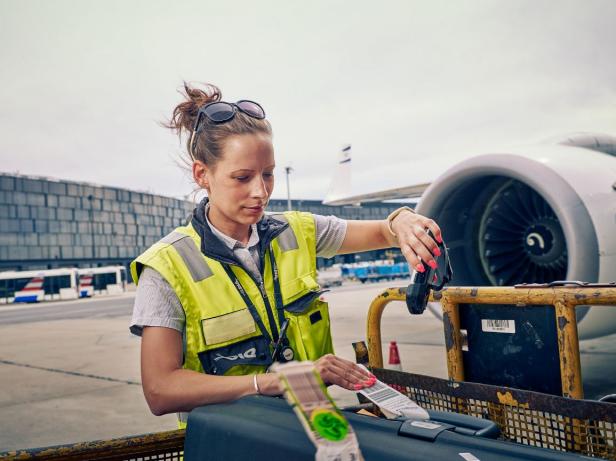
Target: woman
[221, 298]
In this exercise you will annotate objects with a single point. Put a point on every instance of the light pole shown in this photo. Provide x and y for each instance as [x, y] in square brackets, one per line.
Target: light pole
[288, 170]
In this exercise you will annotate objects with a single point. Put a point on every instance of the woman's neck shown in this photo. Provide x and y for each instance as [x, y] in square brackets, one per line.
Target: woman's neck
[237, 231]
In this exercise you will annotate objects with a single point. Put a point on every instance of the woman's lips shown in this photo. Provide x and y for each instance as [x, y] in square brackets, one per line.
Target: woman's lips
[254, 209]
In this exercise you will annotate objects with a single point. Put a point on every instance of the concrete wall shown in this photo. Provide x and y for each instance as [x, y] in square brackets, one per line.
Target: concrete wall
[47, 223]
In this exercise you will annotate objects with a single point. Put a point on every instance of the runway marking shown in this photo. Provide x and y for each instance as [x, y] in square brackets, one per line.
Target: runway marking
[72, 373]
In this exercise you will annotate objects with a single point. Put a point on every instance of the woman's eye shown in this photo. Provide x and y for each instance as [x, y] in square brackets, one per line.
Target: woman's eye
[241, 178]
[268, 175]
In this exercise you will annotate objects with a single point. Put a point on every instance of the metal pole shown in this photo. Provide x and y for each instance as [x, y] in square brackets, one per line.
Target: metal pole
[288, 170]
[90, 199]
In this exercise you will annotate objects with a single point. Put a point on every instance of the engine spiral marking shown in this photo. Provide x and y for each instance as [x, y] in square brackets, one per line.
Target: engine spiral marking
[535, 235]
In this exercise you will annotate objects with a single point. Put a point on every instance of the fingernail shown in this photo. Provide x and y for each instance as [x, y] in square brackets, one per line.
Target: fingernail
[358, 387]
[368, 383]
[439, 239]
[432, 264]
[420, 267]
[436, 251]
[372, 376]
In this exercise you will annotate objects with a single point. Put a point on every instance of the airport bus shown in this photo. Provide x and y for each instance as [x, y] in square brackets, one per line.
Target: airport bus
[38, 285]
[100, 280]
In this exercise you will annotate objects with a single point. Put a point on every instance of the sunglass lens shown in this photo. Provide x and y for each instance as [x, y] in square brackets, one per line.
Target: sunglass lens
[251, 108]
[219, 112]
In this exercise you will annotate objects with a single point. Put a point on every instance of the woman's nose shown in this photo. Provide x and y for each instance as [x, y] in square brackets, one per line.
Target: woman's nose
[259, 188]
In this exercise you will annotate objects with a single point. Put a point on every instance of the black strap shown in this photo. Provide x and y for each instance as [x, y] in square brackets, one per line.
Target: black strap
[277, 292]
[278, 341]
[251, 307]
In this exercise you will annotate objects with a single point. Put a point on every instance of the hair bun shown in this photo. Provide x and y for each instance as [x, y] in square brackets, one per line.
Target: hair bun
[185, 113]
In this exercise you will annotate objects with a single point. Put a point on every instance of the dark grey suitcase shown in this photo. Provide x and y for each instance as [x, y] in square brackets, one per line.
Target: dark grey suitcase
[266, 428]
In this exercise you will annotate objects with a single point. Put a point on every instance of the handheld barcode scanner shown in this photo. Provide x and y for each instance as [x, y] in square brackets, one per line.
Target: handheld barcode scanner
[418, 291]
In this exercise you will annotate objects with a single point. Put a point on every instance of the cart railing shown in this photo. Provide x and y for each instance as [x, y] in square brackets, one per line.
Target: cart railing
[168, 446]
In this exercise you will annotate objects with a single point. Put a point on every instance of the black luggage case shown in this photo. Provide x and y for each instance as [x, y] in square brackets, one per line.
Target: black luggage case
[265, 428]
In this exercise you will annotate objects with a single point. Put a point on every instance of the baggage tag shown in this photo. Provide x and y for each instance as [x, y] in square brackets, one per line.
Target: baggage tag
[392, 403]
[325, 425]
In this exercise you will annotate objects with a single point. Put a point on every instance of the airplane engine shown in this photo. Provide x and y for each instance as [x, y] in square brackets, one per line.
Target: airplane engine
[533, 215]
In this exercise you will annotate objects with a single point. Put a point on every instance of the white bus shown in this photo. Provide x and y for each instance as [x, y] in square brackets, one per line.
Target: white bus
[39, 285]
[99, 280]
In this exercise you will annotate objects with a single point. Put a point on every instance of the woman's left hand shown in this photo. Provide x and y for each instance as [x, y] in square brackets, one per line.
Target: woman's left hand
[416, 245]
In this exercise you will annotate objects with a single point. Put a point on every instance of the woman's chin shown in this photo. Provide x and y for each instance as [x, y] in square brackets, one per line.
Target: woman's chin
[252, 215]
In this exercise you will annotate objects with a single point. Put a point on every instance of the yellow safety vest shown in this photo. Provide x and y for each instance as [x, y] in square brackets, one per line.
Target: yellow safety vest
[231, 320]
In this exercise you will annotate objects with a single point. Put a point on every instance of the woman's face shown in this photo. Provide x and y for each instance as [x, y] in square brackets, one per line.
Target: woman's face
[241, 182]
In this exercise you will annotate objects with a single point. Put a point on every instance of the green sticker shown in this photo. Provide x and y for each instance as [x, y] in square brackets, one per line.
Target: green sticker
[329, 424]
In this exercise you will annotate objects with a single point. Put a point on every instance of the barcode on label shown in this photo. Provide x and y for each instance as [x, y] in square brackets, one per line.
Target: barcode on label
[383, 395]
[379, 392]
[498, 326]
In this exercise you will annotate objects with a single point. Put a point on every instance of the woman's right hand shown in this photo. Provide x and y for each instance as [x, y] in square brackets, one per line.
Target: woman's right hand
[344, 373]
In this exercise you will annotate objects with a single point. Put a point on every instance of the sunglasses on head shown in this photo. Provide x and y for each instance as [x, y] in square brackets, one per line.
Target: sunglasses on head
[221, 112]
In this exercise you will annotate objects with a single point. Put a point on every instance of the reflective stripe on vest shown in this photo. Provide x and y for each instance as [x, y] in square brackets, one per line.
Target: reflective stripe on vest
[191, 255]
[287, 239]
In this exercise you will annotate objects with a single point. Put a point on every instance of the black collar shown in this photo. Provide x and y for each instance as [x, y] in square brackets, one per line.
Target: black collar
[268, 229]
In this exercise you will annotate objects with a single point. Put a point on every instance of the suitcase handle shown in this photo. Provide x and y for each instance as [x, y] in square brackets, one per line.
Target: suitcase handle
[468, 425]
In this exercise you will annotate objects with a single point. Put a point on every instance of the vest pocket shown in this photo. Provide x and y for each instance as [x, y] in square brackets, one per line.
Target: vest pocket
[252, 351]
[226, 327]
[309, 327]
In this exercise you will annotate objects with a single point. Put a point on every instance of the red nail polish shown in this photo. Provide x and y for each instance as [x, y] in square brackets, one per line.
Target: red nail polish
[432, 264]
[358, 387]
[368, 383]
[439, 239]
[436, 251]
[420, 267]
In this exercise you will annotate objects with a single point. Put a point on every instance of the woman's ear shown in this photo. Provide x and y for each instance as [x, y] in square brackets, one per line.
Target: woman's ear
[200, 171]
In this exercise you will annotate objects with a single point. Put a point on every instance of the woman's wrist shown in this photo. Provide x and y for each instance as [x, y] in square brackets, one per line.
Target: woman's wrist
[393, 215]
[267, 383]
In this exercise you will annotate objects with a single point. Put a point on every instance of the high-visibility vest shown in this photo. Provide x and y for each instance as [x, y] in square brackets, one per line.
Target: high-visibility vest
[222, 336]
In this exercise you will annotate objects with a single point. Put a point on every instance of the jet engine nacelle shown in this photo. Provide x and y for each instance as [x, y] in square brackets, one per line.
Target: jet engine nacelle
[533, 215]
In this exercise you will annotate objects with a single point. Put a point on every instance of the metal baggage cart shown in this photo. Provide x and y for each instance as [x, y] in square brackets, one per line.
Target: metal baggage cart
[565, 422]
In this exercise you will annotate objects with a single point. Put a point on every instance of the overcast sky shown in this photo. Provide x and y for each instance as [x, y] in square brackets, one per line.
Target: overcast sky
[83, 84]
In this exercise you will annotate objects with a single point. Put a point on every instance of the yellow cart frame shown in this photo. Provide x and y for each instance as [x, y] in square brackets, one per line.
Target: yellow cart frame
[563, 299]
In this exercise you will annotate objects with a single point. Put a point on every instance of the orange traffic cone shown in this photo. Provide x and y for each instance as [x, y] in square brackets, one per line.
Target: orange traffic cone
[394, 357]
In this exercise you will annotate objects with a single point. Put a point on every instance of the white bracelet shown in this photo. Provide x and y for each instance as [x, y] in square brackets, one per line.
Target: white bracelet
[256, 384]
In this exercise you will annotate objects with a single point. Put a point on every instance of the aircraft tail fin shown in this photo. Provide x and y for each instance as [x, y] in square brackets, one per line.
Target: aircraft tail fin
[341, 180]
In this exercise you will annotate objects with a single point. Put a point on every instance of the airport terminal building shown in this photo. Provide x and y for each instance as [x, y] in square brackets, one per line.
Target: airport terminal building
[47, 223]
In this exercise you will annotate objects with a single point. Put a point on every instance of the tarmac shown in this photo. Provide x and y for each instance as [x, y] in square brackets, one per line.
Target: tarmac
[74, 380]
[78, 379]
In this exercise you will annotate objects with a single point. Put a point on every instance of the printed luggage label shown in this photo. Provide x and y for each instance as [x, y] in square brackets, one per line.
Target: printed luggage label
[393, 403]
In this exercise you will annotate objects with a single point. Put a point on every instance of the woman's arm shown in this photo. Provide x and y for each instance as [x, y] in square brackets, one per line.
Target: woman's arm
[410, 236]
[169, 388]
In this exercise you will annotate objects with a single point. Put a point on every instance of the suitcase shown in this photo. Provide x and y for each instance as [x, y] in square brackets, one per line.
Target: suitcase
[266, 428]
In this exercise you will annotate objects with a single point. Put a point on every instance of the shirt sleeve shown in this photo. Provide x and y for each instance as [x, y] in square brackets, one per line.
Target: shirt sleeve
[331, 231]
[156, 304]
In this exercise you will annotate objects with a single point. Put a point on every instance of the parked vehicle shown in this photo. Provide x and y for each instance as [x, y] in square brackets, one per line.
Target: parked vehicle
[60, 284]
[35, 286]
